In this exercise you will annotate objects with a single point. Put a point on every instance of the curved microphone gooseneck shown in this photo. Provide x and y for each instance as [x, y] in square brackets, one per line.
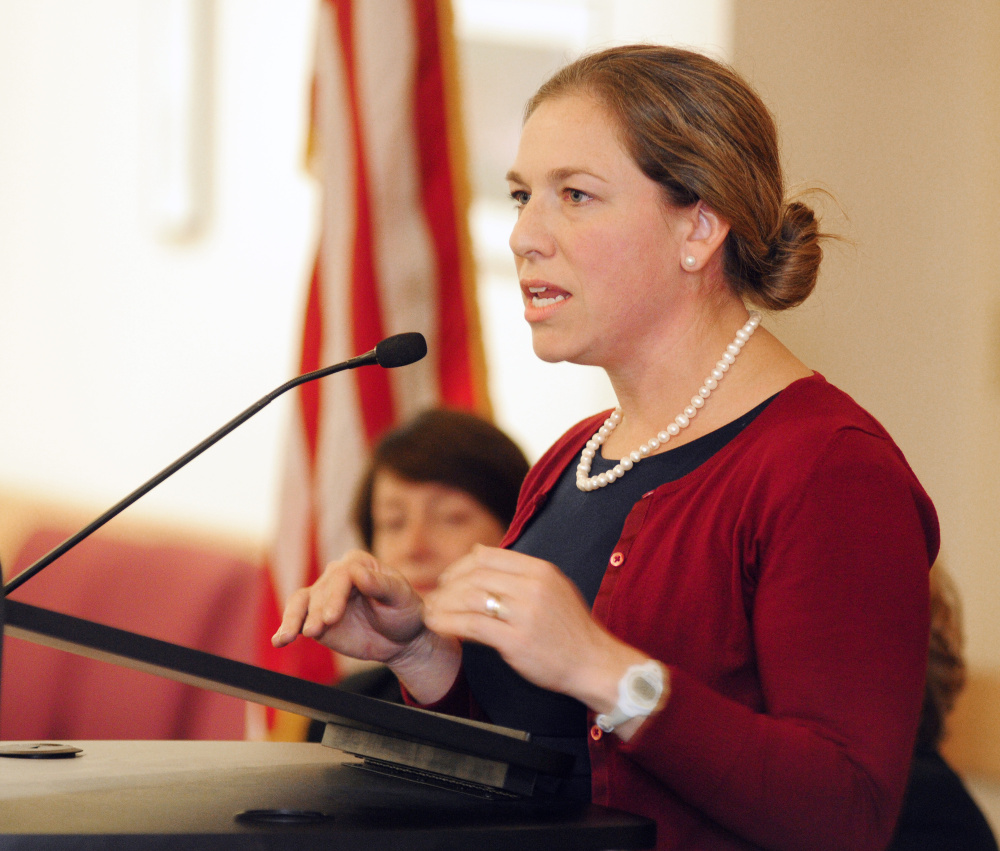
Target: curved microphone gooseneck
[399, 350]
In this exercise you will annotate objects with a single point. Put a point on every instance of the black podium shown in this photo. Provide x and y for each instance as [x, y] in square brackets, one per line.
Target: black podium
[210, 795]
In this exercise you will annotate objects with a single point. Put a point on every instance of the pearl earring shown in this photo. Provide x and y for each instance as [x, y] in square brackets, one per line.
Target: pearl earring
[690, 261]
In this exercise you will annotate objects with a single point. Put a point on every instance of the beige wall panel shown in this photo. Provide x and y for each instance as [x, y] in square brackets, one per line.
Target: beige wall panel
[895, 108]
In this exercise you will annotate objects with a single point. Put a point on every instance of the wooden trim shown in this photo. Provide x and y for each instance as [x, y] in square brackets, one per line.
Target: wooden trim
[972, 743]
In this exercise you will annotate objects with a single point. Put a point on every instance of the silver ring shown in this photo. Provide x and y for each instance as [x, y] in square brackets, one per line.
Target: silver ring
[494, 607]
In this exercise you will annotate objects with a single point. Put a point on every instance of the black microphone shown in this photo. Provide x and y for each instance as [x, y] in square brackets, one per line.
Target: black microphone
[399, 350]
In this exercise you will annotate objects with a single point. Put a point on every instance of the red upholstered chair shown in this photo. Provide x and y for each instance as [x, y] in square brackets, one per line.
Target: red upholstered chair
[184, 594]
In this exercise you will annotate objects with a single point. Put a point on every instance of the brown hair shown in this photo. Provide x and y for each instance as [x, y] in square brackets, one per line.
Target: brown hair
[695, 127]
[945, 666]
[452, 448]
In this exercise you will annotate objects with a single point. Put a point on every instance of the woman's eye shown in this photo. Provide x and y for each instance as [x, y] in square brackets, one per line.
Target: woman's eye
[520, 197]
[388, 525]
[577, 196]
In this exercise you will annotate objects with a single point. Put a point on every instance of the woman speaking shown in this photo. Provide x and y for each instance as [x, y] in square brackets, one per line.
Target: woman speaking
[715, 595]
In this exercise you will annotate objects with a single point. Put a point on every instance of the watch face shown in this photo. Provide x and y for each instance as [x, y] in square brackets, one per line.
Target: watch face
[643, 691]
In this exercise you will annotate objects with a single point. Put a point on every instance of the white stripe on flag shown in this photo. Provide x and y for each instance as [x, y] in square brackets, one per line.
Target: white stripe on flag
[340, 442]
[386, 49]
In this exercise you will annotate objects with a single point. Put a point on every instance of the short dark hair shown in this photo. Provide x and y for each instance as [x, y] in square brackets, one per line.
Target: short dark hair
[453, 448]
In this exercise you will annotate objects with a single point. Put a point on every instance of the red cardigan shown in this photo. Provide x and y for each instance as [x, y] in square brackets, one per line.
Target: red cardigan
[784, 584]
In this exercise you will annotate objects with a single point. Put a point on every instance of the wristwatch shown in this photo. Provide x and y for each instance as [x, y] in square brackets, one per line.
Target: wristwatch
[639, 692]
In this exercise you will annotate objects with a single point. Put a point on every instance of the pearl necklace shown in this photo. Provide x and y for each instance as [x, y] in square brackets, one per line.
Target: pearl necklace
[586, 482]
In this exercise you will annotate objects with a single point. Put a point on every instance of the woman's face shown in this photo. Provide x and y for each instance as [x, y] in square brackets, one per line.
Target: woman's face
[420, 528]
[598, 252]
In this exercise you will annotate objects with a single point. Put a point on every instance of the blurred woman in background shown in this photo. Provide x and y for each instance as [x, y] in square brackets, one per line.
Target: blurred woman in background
[435, 487]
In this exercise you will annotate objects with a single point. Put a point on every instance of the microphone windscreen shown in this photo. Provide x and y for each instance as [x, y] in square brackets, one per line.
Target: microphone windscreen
[401, 349]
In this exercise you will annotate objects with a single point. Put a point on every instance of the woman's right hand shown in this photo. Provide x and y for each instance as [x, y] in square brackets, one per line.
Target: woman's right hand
[358, 607]
[363, 609]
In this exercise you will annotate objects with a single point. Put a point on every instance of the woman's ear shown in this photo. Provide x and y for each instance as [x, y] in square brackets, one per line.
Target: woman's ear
[708, 232]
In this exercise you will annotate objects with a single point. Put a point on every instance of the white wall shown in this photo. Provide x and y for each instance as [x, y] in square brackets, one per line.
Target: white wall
[118, 350]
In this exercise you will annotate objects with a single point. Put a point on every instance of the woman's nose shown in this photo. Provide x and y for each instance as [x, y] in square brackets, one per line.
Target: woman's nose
[416, 540]
[530, 234]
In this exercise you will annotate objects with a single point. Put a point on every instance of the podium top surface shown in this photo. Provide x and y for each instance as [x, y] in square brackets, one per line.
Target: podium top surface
[180, 794]
[270, 688]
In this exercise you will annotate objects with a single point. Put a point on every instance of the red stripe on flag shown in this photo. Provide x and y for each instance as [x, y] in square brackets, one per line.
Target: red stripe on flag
[348, 300]
[308, 397]
[445, 205]
[302, 659]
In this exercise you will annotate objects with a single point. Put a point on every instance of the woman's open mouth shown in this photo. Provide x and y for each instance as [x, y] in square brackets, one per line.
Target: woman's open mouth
[542, 295]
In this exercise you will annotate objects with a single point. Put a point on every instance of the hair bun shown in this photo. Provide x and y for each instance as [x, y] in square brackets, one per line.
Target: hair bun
[793, 260]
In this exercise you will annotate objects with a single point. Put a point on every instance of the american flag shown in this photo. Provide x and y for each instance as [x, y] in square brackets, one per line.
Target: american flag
[394, 255]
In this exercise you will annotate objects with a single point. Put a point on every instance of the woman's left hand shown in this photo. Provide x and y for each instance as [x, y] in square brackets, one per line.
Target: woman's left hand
[539, 623]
